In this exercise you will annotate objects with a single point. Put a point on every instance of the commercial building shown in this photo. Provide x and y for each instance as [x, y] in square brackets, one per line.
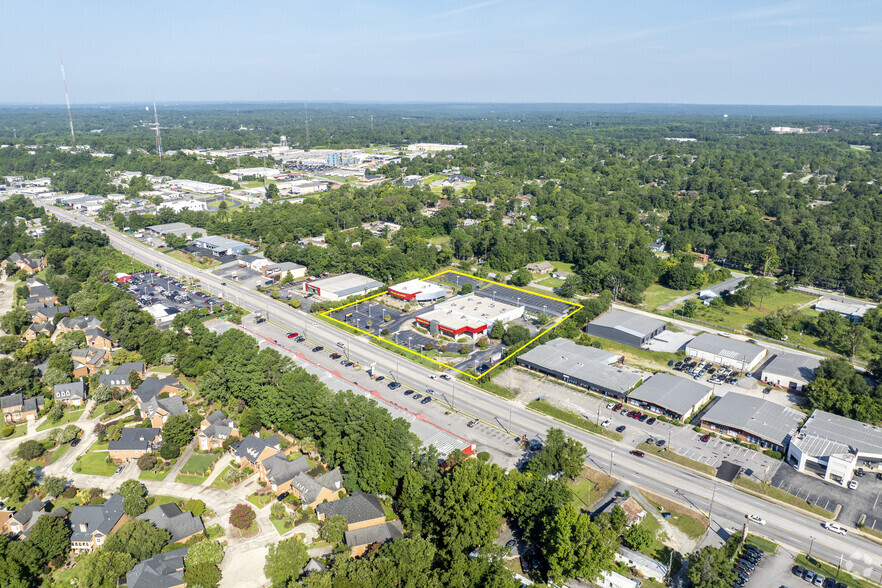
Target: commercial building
[725, 351]
[469, 314]
[181, 205]
[754, 420]
[628, 328]
[176, 229]
[221, 245]
[852, 311]
[256, 172]
[671, 396]
[418, 291]
[278, 271]
[791, 371]
[588, 367]
[835, 446]
[342, 286]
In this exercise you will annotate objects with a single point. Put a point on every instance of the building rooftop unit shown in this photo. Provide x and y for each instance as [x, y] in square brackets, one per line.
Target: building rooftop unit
[761, 418]
[675, 394]
[628, 322]
[725, 347]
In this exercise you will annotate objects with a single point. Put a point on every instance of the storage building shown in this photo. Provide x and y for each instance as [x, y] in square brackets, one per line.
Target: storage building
[754, 420]
[418, 291]
[342, 286]
[791, 371]
[629, 328]
[671, 396]
[221, 245]
[725, 351]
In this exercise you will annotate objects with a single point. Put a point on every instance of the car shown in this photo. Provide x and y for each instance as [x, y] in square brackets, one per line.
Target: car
[300, 339]
[282, 496]
[119, 468]
[642, 418]
[819, 580]
[617, 407]
[671, 363]
[879, 476]
[753, 549]
[430, 392]
[336, 356]
[620, 429]
[223, 283]
[756, 519]
[650, 421]
[748, 375]
[75, 442]
[433, 377]
[860, 473]
[637, 453]
[752, 341]
[348, 363]
[605, 423]
[611, 405]
[733, 381]
[511, 543]
[751, 557]
[705, 438]
[746, 565]
[650, 441]
[809, 576]
[317, 348]
[472, 423]
[798, 571]
[417, 396]
[712, 370]
[393, 385]
[767, 390]
[678, 365]
[660, 443]
[293, 335]
[742, 570]
[445, 376]
[426, 400]
[833, 527]
[853, 485]
[380, 378]
[408, 392]
[639, 416]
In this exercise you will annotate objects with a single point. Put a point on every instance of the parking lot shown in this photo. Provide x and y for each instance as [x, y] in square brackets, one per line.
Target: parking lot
[359, 315]
[715, 451]
[150, 288]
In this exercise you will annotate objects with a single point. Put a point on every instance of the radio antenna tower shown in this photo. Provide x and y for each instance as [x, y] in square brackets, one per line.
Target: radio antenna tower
[306, 113]
[67, 99]
[156, 122]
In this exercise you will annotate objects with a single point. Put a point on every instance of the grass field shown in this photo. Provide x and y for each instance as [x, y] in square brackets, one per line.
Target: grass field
[159, 500]
[219, 481]
[189, 479]
[656, 295]
[99, 446]
[260, 501]
[551, 282]
[674, 457]
[829, 571]
[763, 543]
[199, 464]
[94, 464]
[154, 476]
[573, 419]
[690, 522]
[738, 317]
[67, 418]
[767, 491]
[642, 357]
[589, 487]
[191, 259]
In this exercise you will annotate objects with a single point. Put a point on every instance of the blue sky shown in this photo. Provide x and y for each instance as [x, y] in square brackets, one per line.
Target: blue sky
[748, 52]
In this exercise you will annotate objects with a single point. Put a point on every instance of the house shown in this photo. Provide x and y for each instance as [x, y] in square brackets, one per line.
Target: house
[133, 443]
[615, 580]
[359, 509]
[163, 570]
[97, 339]
[252, 450]
[87, 361]
[37, 329]
[643, 565]
[152, 387]
[629, 328]
[214, 430]
[278, 471]
[159, 409]
[181, 525]
[790, 370]
[314, 565]
[360, 540]
[313, 491]
[26, 516]
[119, 377]
[17, 409]
[543, 267]
[80, 323]
[48, 312]
[70, 394]
[42, 293]
[22, 261]
[58, 513]
[633, 511]
[93, 523]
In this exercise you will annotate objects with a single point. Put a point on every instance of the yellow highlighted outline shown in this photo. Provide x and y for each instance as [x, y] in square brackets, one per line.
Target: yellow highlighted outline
[578, 307]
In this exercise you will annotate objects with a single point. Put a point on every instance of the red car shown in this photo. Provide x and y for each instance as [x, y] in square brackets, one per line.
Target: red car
[617, 408]
[637, 453]
[292, 335]
[705, 438]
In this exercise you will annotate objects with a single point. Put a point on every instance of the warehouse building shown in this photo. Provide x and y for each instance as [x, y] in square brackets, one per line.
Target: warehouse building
[341, 287]
[834, 446]
[588, 367]
[791, 371]
[754, 420]
[628, 328]
[221, 245]
[176, 229]
[725, 351]
[418, 291]
[677, 398]
[468, 315]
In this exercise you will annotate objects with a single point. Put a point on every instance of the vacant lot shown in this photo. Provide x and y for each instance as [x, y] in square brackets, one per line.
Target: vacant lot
[739, 317]
[656, 295]
[689, 521]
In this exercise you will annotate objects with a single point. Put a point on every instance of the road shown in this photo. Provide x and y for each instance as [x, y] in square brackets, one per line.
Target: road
[792, 528]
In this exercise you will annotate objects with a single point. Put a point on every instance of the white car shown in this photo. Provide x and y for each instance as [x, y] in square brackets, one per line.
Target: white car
[852, 485]
[835, 528]
[610, 405]
[605, 423]
[756, 519]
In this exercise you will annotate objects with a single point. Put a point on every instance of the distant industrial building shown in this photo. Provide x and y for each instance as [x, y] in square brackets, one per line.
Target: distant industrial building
[221, 245]
[418, 291]
[671, 396]
[754, 420]
[791, 371]
[583, 366]
[342, 286]
[177, 229]
[181, 205]
[852, 311]
[834, 446]
[725, 351]
[628, 328]
[468, 315]
[256, 172]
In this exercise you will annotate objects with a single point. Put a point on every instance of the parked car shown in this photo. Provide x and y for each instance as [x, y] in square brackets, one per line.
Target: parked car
[605, 423]
[408, 392]
[393, 385]
[430, 392]
[380, 378]
[611, 405]
[819, 580]
[650, 421]
[426, 400]
[336, 356]
[809, 576]
[417, 396]
[617, 408]
[282, 496]
[660, 443]
[317, 348]
[620, 429]
[705, 438]
[292, 335]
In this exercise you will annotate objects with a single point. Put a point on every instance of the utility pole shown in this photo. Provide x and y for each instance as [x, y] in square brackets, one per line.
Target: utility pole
[710, 514]
[610, 462]
[811, 544]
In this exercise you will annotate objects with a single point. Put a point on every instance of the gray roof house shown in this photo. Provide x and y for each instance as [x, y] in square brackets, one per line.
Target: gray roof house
[215, 429]
[135, 439]
[252, 446]
[79, 323]
[26, 516]
[120, 375]
[311, 488]
[163, 570]
[159, 409]
[151, 387]
[374, 534]
[37, 329]
[279, 470]
[356, 508]
[92, 523]
[181, 525]
[70, 393]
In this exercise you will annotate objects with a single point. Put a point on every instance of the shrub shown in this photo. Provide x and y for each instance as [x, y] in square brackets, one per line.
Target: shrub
[278, 510]
[242, 516]
[484, 457]
[70, 492]
[113, 407]
[7, 431]
[195, 506]
[773, 454]
[146, 462]
[169, 451]
[30, 450]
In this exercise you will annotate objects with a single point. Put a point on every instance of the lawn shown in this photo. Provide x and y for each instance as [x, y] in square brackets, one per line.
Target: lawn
[656, 295]
[199, 464]
[159, 500]
[763, 543]
[738, 317]
[829, 571]
[94, 464]
[191, 259]
[589, 487]
[68, 417]
[642, 357]
[279, 524]
[551, 282]
[219, 481]
[154, 476]
[189, 479]
[260, 501]
[676, 458]
[767, 491]
[99, 446]
[20, 431]
[573, 419]
[58, 452]
[690, 522]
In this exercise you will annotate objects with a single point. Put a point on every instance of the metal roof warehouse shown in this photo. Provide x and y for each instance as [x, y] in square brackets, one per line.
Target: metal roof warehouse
[673, 396]
[629, 328]
[725, 351]
[342, 286]
[588, 367]
[754, 420]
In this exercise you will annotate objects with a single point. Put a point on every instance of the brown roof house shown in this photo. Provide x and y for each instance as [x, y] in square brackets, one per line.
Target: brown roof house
[632, 508]
[80, 323]
[133, 443]
[93, 523]
[214, 430]
[37, 329]
[543, 267]
[17, 408]
[98, 339]
[45, 312]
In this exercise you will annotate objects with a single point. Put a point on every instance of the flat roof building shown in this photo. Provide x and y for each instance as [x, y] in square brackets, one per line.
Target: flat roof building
[629, 328]
[790, 370]
[342, 286]
[418, 291]
[671, 396]
[583, 366]
[725, 351]
[853, 312]
[754, 420]
[469, 314]
[221, 245]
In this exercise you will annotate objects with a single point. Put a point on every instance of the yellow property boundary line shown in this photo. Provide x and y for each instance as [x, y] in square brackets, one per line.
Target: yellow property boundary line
[577, 308]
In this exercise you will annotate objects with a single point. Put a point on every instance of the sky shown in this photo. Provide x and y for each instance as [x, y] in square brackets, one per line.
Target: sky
[807, 52]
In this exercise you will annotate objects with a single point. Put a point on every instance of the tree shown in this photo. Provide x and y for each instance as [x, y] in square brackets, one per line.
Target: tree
[178, 430]
[278, 510]
[14, 482]
[242, 516]
[146, 462]
[520, 278]
[112, 407]
[68, 434]
[249, 421]
[134, 379]
[638, 537]
[195, 506]
[690, 307]
[29, 450]
[272, 191]
[15, 321]
[467, 288]
[169, 451]
[515, 336]
[132, 488]
[52, 536]
[54, 376]
[285, 561]
[102, 393]
[209, 552]
[710, 568]
[102, 568]
[203, 575]
[134, 505]
[576, 547]
[560, 454]
[53, 485]
[138, 538]
[497, 331]
[332, 528]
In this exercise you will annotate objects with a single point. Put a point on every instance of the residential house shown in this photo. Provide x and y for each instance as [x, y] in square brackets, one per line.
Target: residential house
[163, 570]
[98, 339]
[214, 430]
[93, 523]
[543, 267]
[633, 511]
[277, 471]
[119, 377]
[313, 566]
[40, 292]
[26, 516]
[152, 387]
[252, 450]
[58, 513]
[80, 323]
[359, 509]
[87, 361]
[29, 263]
[159, 409]
[313, 491]
[70, 394]
[359, 540]
[181, 525]
[643, 565]
[37, 329]
[17, 408]
[48, 312]
[133, 443]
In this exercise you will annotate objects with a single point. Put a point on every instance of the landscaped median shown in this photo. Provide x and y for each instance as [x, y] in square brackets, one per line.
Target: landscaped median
[774, 494]
[67, 418]
[673, 456]
[572, 418]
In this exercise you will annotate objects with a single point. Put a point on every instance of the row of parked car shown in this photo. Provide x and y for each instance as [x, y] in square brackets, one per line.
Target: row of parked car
[746, 563]
[816, 579]
[699, 370]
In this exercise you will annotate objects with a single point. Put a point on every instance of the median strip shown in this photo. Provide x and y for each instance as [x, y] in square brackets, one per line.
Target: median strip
[677, 458]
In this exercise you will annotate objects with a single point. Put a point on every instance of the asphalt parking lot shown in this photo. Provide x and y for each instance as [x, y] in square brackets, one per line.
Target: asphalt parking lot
[716, 451]
[866, 499]
[150, 288]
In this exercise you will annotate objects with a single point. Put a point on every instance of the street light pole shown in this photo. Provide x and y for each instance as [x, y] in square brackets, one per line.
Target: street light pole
[810, 546]
[610, 462]
[710, 514]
